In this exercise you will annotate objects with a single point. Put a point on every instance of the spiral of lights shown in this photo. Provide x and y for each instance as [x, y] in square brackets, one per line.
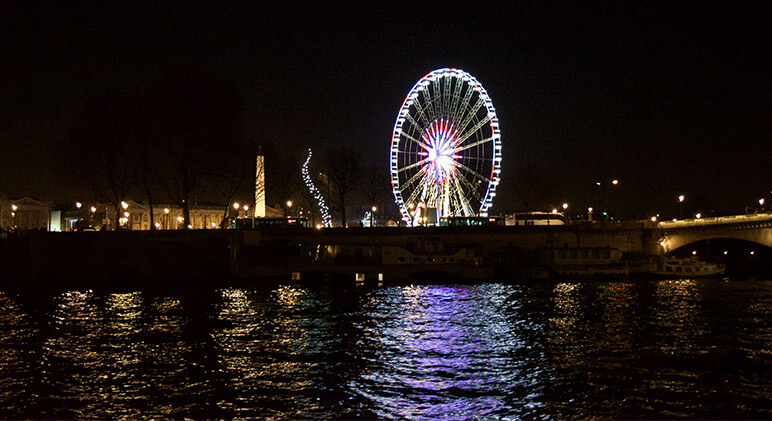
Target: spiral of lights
[445, 149]
[323, 210]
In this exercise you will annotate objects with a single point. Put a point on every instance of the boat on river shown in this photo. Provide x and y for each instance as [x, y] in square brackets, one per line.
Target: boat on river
[589, 262]
[688, 267]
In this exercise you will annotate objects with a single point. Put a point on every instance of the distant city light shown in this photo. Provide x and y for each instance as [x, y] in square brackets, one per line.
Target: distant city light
[653, 219]
[565, 206]
[554, 210]
[236, 205]
[93, 209]
[761, 201]
[124, 205]
[699, 215]
[166, 210]
[615, 182]
[78, 205]
[694, 253]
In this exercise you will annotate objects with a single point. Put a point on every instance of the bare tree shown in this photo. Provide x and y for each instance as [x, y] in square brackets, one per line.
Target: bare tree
[376, 186]
[236, 178]
[198, 127]
[344, 171]
[102, 148]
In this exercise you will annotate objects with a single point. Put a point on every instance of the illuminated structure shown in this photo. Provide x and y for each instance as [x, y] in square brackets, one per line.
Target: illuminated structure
[259, 211]
[323, 210]
[445, 149]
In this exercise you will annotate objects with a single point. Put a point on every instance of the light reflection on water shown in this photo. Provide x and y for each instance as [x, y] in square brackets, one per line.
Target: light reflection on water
[439, 351]
[696, 349]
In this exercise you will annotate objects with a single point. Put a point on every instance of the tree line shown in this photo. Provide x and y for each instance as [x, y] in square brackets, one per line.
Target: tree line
[184, 140]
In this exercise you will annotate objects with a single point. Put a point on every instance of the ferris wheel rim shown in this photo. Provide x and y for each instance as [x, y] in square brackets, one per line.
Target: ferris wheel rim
[452, 145]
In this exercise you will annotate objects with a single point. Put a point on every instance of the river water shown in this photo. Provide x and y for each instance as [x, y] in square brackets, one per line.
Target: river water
[655, 349]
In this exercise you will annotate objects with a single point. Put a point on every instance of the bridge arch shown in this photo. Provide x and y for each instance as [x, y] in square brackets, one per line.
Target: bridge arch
[752, 228]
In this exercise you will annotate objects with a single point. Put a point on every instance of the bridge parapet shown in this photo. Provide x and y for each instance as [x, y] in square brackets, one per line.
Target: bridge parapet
[720, 220]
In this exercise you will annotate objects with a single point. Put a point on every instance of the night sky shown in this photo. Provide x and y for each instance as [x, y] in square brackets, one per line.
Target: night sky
[670, 98]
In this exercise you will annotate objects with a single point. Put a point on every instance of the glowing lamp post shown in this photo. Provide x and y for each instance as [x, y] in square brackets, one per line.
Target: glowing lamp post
[681, 205]
[166, 218]
[372, 216]
[13, 214]
[287, 209]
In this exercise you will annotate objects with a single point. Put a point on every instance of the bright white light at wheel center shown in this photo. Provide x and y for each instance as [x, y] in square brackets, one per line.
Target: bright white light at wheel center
[439, 139]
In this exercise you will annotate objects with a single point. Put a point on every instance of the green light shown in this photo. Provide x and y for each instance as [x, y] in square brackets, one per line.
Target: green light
[605, 213]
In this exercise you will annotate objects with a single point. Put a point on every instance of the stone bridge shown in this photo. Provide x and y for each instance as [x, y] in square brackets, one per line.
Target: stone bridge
[756, 228]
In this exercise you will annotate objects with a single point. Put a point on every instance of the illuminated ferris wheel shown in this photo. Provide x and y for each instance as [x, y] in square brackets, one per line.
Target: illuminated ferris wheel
[445, 149]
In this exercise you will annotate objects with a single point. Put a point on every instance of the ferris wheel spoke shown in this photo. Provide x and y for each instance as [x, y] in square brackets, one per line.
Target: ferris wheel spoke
[474, 129]
[417, 127]
[427, 93]
[470, 187]
[474, 173]
[422, 112]
[438, 100]
[472, 145]
[419, 175]
[446, 98]
[413, 165]
[414, 196]
[463, 106]
[416, 141]
[456, 99]
[472, 113]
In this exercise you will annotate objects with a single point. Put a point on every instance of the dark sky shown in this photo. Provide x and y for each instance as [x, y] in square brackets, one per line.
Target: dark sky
[668, 97]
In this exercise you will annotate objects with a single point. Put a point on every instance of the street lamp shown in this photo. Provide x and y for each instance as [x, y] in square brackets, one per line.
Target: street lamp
[681, 205]
[372, 216]
[287, 209]
[166, 218]
[13, 214]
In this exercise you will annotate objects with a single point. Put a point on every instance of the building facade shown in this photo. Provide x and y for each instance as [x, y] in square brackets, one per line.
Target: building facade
[135, 216]
[25, 213]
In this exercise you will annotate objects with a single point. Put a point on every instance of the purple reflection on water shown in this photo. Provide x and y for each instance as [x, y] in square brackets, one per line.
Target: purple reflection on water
[443, 351]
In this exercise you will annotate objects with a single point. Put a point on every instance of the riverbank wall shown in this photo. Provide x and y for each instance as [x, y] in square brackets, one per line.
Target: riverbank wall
[191, 257]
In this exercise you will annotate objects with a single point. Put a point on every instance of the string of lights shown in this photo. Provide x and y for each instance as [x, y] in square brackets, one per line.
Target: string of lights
[326, 219]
